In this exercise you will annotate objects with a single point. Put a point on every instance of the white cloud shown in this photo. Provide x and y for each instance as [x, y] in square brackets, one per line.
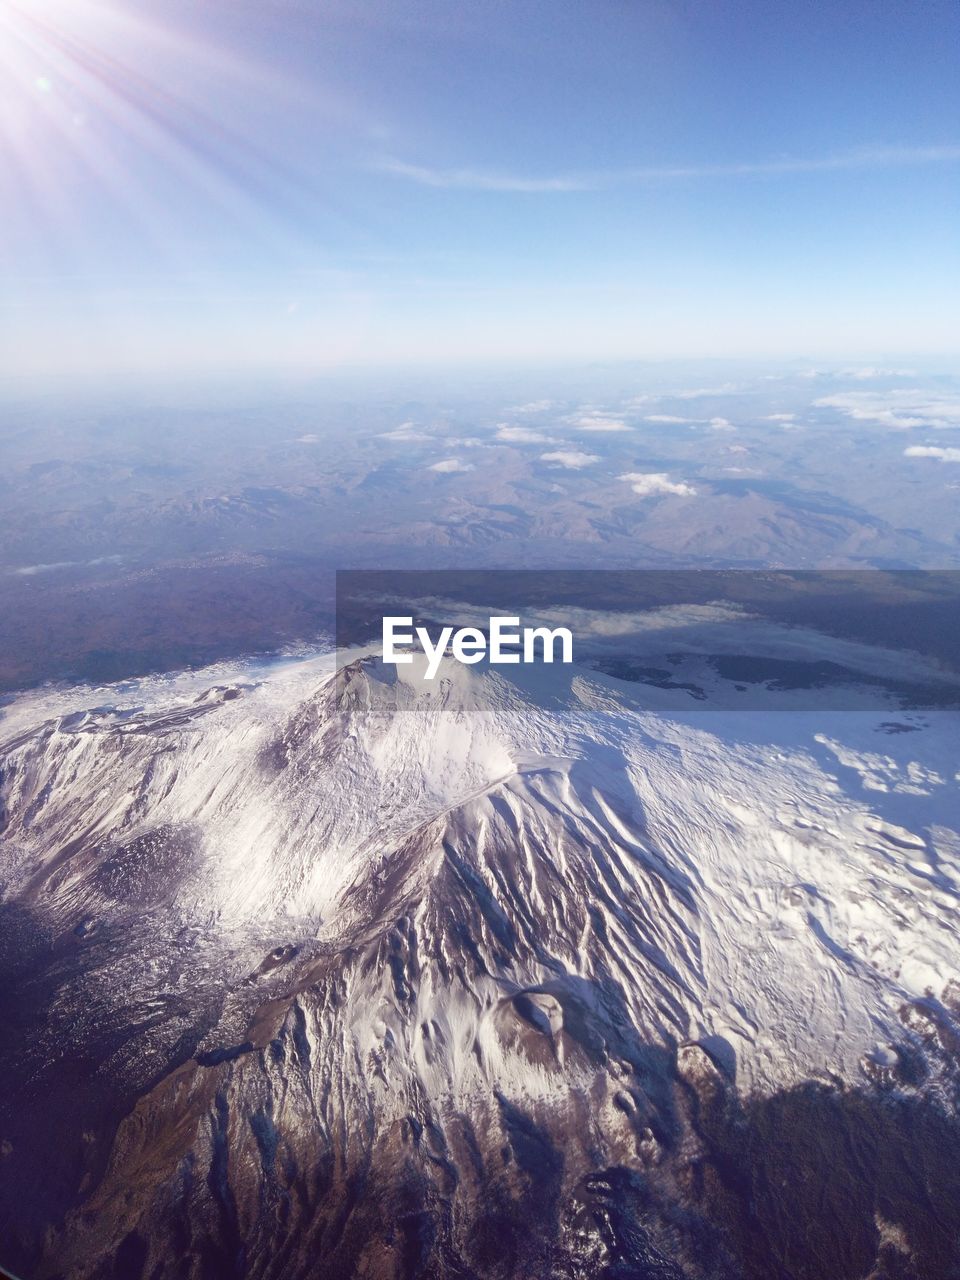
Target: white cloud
[700, 393]
[898, 409]
[30, 570]
[407, 431]
[522, 435]
[721, 424]
[667, 417]
[870, 371]
[470, 179]
[599, 422]
[307, 439]
[649, 484]
[534, 406]
[450, 465]
[572, 459]
[858, 373]
[780, 417]
[932, 451]
[479, 180]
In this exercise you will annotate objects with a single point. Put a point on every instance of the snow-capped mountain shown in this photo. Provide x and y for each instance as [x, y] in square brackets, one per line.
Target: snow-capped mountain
[542, 974]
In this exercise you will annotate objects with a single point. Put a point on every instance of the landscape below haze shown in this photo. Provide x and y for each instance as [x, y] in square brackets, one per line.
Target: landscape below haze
[141, 534]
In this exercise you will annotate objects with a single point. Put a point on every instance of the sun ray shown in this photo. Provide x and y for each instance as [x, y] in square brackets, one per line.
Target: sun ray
[75, 96]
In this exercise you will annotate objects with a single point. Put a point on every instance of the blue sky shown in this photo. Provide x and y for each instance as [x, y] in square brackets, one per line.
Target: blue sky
[301, 185]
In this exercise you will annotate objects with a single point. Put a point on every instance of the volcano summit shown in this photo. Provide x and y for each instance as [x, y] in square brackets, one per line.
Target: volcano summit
[511, 974]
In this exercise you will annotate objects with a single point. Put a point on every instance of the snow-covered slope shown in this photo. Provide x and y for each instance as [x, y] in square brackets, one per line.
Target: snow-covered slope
[326, 942]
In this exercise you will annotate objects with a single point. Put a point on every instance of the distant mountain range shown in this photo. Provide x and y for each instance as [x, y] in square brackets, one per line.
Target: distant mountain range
[138, 539]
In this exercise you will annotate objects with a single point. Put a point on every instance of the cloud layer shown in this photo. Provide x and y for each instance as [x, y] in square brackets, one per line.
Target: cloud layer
[450, 465]
[407, 431]
[522, 435]
[599, 422]
[651, 484]
[470, 179]
[899, 409]
[572, 459]
[932, 451]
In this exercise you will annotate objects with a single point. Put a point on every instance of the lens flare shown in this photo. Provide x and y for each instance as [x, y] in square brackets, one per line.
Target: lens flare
[86, 115]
